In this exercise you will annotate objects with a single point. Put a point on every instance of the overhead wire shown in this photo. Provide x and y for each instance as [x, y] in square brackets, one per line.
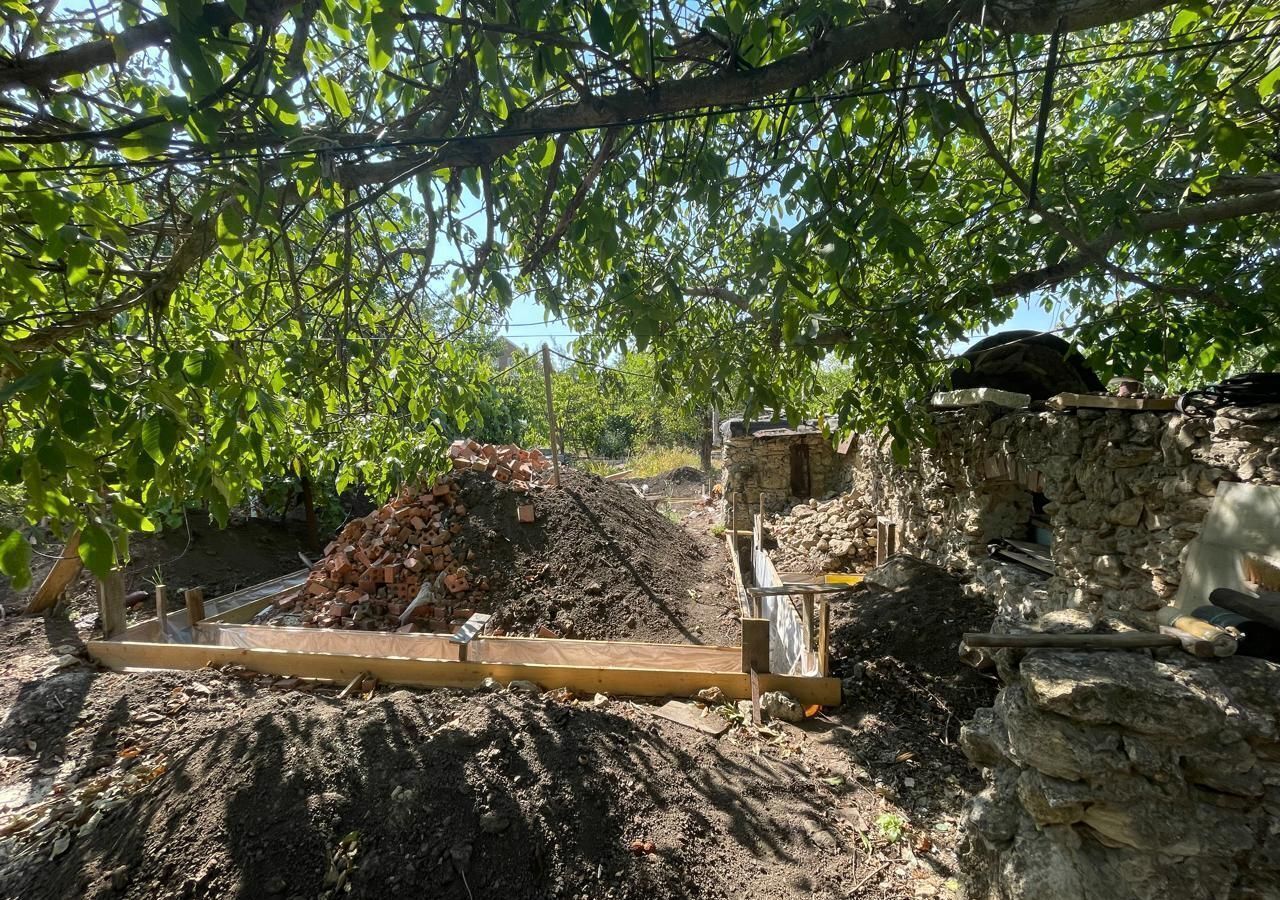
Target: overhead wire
[712, 110]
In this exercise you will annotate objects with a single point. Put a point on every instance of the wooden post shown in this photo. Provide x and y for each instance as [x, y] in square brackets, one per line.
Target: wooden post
[59, 578]
[882, 541]
[824, 636]
[755, 645]
[195, 606]
[551, 416]
[806, 618]
[111, 604]
[162, 611]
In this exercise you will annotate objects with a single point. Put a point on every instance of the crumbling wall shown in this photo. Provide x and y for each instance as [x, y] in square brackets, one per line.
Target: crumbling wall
[1126, 775]
[758, 467]
[1126, 492]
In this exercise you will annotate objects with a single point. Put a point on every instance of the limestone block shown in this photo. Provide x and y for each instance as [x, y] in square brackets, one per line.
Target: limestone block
[1052, 801]
[1129, 689]
[1056, 745]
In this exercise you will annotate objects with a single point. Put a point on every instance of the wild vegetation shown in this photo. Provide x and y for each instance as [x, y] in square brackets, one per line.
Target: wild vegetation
[245, 238]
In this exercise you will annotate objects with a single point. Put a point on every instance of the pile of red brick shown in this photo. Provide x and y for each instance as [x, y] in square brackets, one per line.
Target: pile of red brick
[505, 462]
[376, 566]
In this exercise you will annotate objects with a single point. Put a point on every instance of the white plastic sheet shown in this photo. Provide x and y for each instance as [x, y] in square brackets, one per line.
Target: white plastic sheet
[788, 647]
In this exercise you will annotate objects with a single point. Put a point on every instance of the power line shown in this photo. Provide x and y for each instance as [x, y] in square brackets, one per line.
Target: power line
[601, 366]
[686, 115]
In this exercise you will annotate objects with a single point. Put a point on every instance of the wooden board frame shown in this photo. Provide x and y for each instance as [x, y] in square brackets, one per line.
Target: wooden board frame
[142, 647]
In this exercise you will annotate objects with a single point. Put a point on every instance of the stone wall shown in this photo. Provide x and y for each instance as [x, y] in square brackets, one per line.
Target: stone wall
[1127, 775]
[1126, 492]
[759, 466]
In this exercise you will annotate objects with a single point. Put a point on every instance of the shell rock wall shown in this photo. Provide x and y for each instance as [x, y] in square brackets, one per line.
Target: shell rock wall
[1108, 775]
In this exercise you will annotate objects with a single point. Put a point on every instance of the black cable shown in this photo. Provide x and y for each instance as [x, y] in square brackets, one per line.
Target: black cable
[212, 155]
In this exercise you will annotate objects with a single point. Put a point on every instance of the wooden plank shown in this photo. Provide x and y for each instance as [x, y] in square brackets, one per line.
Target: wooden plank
[1130, 640]
[786, 589]
[801, 577]
[111, 603]
[735, 561]
[755, 645]
[55, 583]
[130, 656]
[483, 648]
[195, 604]
[688, 715]
[1130, 404]
[806, 620]
[824, 637]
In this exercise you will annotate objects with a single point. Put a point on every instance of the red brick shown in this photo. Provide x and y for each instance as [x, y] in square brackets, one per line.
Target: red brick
[524, 513]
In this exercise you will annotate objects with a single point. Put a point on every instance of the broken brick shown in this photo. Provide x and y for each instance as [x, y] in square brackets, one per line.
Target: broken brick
[524, 513]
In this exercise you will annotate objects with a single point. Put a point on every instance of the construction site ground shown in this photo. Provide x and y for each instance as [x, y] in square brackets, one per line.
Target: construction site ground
[226, 784]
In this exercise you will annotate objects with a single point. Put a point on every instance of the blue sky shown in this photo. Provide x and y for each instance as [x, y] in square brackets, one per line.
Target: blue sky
[529, 330]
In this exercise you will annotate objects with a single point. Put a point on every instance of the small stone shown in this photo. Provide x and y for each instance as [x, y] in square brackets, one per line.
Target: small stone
[524, 687]
[276, 885]
[493, 823]
[781, 705]
[119, 878]
[489, 685]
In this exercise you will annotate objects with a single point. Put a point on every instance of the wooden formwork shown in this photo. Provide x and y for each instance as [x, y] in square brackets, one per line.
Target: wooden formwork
[225, 636]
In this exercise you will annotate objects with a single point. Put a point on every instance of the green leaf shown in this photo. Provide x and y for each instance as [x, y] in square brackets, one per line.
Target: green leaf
[159, 435]
[334, 96]
[601, 27]
[15, 558]
[131, 516]
[203, 367]
[97, 550]
[1267, 84]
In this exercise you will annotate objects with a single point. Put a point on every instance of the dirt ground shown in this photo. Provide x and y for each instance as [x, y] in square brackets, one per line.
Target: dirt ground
[196, 554]
[599, 563]
[220, 784]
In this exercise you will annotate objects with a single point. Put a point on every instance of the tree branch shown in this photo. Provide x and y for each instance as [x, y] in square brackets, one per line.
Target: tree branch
[903, 27]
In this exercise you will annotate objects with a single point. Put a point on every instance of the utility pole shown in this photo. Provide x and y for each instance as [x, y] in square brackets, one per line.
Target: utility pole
[551, 416]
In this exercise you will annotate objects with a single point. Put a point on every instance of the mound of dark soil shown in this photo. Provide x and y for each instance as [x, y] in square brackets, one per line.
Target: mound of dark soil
[905, 685]
[252, 793]
[682, 481]
[905, 639]
[195, 554]
[599, 562]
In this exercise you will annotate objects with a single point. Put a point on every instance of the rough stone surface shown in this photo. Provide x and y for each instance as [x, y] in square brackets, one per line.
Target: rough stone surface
[1123, 493]
[758, 469]
[1126, 775]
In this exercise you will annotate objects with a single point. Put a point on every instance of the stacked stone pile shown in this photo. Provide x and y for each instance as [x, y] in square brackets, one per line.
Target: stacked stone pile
[834, 535]
[1127, 775]
[375, 568]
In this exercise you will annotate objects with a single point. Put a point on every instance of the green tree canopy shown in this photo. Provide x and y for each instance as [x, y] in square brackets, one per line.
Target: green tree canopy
[248, 236]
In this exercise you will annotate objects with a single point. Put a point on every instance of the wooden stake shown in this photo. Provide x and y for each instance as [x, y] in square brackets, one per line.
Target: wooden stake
[111, 604]
[195, 605]
[755, 645]
[551, 416]
[824, 637]
[59, 578]
[756, 718]
[162, 611]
